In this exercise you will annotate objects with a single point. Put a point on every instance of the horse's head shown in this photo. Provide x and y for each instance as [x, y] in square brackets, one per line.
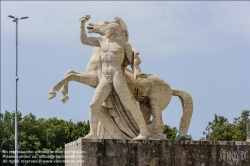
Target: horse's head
[100, 27]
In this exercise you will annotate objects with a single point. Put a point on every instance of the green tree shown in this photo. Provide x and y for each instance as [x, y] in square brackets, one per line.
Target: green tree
[38, 134]
[171, 132]
[221, 130]
[239, 126]
[7, 135]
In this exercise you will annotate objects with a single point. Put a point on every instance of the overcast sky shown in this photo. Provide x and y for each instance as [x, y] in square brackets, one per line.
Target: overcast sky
[201, 47]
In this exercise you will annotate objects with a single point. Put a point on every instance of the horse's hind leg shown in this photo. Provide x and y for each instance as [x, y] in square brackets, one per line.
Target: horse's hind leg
[157, 121]
[146, 110]
[155, 127]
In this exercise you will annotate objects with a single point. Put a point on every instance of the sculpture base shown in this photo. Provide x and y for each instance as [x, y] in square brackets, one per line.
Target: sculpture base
[83, 152]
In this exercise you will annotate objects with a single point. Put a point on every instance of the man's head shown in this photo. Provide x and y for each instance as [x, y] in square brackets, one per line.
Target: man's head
[113, 29]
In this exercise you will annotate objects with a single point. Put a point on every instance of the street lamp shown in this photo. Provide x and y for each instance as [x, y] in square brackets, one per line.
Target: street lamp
[248, 130]
[15, 19]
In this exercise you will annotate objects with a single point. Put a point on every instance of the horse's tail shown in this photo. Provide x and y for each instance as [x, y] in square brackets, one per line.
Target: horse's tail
[187, 109]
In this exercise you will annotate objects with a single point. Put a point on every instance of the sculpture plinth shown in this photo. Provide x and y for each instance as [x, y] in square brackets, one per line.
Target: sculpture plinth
[157, 153]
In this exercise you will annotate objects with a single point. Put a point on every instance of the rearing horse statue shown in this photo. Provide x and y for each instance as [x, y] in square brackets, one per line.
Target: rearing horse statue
[151, 92]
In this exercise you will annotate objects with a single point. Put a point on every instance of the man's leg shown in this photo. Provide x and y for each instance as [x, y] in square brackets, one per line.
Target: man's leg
[122, 91]
[101, 93]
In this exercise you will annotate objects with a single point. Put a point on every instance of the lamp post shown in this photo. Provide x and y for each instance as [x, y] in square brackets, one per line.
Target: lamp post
[248, 130]
[15, 19]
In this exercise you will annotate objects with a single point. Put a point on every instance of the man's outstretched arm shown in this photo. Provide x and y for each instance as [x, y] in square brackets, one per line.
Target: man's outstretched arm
[91, 41]
[134, 60]
[137, 61]
[136, 65]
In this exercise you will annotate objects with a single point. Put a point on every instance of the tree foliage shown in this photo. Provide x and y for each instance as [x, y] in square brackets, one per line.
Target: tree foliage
[38, 134]
[171, 132]
[221, 130]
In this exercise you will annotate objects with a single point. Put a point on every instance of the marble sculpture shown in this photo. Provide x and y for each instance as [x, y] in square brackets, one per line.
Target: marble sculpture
[114, 110]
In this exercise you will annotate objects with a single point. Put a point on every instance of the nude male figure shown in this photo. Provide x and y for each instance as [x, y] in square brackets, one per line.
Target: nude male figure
[113, 52]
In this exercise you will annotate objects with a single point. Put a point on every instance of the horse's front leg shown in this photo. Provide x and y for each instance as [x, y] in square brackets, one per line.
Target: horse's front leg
[61, 83]
[64, 88]
[90, 79]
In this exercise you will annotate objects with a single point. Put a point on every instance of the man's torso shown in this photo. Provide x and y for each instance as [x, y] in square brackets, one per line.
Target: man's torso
[112, 56]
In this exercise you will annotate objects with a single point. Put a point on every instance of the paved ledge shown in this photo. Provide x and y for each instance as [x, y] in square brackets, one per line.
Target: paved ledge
[110, 152]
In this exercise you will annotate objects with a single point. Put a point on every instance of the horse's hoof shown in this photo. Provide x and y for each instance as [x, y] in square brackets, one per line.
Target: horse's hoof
[52, 94]
[65, 99]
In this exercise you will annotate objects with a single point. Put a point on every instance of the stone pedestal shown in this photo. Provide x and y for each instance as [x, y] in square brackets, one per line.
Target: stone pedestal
[156, 153]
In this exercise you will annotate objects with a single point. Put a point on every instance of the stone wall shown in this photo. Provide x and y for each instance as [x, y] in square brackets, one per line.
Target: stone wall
[156, 153]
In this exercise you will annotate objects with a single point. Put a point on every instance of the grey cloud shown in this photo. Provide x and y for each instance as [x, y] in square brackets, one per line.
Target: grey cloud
[174, 27]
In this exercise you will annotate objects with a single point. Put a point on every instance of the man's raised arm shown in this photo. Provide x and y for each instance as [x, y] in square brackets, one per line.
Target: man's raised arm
[91, 41]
